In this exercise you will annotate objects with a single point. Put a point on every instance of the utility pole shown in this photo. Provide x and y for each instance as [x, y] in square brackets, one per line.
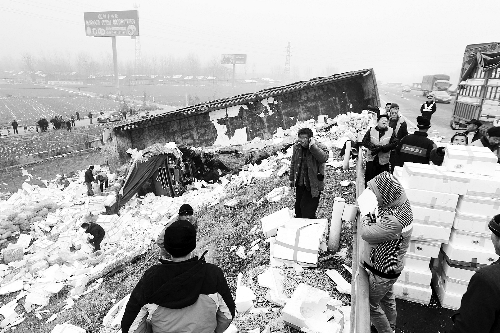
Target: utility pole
[287, 63]
[137, 46]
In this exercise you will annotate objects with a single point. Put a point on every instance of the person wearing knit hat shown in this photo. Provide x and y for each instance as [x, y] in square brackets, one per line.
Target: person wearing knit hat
[416, 147]
[397, 123]
[185, 294]
[480, 306]
[491, 141]
[472, 131]
[186, 213]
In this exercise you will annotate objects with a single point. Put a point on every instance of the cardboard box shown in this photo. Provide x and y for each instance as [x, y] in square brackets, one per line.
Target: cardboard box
[413, 293]
[434, 178]
[473, 223]
[484, 186]
[430, 233]
[457, 254]
[470, 159]
[429, 199]
[472, 205]
[415, 277]
[416, 263]
[448, 300]
[299, 241]
[425, 249]
[472, 239]
[271, 223]
[429, 216]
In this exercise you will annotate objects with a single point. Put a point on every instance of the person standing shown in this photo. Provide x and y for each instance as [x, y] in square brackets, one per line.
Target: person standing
[388, 107]
[428, 107]
[388, 237]
[186, 213]
[416, 147]
[102, 179]
[90, 117]
[96, 232]
[379, 141]
[72, 121]
[490, 141]
[480, 306]
[77, 115]
[14, 126]
[307, 173]
[473, 130]
[400, 128]
[68, 124]
[89, 179]
[185, 294]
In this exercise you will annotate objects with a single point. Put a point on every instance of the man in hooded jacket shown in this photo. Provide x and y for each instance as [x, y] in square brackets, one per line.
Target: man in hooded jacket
[388, 237]
[185, 294]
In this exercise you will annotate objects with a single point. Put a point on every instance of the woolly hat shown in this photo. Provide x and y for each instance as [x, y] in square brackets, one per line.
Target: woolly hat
[186, 209]
[494, 225]
[494, 131]
[180, 238]
[423, 123]
[437, 155]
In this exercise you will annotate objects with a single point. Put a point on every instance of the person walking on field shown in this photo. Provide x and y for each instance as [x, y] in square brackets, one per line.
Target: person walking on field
[428, 107]
[14, 126]
[89, 179]
[388, 237]
[77, 115]
[185, 294]
[307, 173]
[416, 147]
[480, 306]
[379, 141]
[186, 213]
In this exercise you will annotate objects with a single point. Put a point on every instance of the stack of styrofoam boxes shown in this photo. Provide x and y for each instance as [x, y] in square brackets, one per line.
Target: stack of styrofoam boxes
[470, 246]
[433, 195]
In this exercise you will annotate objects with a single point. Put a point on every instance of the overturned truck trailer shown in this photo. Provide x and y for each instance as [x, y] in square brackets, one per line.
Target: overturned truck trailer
[242, 118]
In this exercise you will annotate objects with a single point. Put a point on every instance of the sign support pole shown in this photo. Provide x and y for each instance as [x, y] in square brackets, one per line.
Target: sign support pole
[234, 68]
[115, 64]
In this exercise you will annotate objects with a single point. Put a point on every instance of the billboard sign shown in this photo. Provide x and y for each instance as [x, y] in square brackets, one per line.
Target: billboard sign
[110, 24]
[229, 59]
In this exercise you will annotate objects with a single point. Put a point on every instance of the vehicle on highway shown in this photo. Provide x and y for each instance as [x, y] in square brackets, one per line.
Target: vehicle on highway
[436, 82]
[416, 86]
[478, 93]
[441, 97]
[110, 117]
[406, 89]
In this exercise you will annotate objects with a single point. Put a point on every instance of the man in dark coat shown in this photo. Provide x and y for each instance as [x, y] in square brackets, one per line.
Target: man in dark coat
[416, 147]
[490, 141]
[77, 115]
[307, 172]
[400, 128]
[185, 294]
[89, 178]
[14, 126]
[480, 307]
[97, 234]
[428, 107]
[186, 213]
[473, 130]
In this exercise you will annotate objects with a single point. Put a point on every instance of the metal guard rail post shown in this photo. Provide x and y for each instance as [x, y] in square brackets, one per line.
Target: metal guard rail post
[360, 308]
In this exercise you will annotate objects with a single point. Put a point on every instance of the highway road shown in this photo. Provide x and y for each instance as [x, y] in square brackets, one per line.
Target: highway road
[409, 106]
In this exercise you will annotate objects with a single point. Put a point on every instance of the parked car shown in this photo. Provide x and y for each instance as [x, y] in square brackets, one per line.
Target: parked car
[441, 97]
[110, 117]
[406, 89]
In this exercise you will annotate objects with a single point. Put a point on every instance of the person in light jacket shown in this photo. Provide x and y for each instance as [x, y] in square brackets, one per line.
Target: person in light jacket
[307, 173]
[185, 294]
[388, 237]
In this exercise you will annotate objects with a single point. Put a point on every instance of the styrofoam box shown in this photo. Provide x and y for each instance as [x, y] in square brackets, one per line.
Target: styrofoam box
[430, 233]
[431, 216]
[470, 159]
[472, 239]
[448, 300]
[469, 254]
[457, 273]
[426, 249]
[409, 276]
[429, 199]
[434, 178]
[473, 205]
[415, 262]
[413, 293]
[454, 286]
[484, 186]
[272, 222]
[473, 223]
[398, 173]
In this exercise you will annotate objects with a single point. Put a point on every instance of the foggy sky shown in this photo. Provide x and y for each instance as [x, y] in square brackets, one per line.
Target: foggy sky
[400, 39]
